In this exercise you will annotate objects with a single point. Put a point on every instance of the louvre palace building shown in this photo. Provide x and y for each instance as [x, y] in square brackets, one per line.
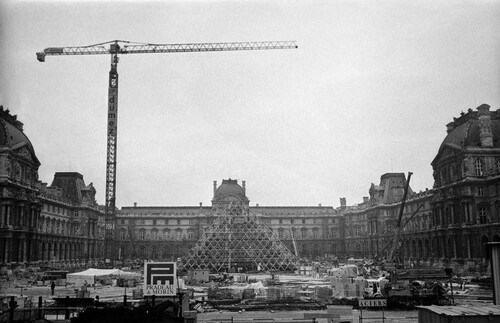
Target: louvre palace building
[449, 224]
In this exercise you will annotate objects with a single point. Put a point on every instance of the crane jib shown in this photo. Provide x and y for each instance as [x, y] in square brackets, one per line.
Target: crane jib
[54, 50]
[118, 47]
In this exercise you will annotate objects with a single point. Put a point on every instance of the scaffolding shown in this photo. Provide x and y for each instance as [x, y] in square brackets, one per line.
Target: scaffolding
[239, 240]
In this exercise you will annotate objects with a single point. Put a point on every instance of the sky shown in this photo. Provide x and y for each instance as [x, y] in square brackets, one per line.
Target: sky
[369, 90]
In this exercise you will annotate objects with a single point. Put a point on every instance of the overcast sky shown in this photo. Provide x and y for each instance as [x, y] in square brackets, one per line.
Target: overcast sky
[369, 91]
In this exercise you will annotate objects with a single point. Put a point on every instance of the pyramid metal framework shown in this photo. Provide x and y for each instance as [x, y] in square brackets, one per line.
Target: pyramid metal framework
[239, 239]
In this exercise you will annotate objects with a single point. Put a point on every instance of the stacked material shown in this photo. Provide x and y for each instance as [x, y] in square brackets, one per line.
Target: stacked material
[93, 275]
[323, 293]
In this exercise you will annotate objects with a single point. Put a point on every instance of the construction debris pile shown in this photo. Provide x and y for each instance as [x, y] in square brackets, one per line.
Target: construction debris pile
[325, 284]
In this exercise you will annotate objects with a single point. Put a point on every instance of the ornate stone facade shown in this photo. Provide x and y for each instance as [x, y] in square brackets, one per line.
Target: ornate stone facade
[60, 225]
[369, 226]
[466, 202]
[449, 224]
[456, 218]
[20, 206]
[170, 232]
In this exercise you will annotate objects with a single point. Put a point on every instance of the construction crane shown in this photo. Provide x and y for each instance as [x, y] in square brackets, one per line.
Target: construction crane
[395, 239]
[119, 47]
[294, 243]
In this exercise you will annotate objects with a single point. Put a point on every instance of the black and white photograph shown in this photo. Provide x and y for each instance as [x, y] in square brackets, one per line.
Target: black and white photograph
[242, 160]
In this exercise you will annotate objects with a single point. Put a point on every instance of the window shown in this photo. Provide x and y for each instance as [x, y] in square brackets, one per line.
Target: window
[483, 217]
[280, 233]
[142, 234]
[178, 222]
[480, 191]
[122, 221]
[190, 235]
[154, 233]
[122, 234]
[291, 221]
[143, 222]
[356, 231]
[281, 221]
[154, 222]
[303, 233]
[303, 221]
[478, 166]
[315, 233]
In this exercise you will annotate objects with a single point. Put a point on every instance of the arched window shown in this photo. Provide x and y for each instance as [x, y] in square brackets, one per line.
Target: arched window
[142, 234]
[356, 231]
[166, 233]
[315, 233]
[154, 234]
[178, 234]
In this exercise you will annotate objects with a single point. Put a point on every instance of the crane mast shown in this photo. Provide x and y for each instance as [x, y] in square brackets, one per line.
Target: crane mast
[115, 48]
[395, 239]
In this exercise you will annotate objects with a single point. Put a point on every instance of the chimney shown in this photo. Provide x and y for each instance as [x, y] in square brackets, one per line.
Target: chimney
[365, 199]
[485, 134]
[244, 188]
[135, 204]
[450, 127]
[319, 204]
[215, 186]
[343, 203]
[201, 204]
[257, 204]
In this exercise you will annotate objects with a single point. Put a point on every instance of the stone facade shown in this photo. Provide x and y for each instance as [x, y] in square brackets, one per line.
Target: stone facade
[447, 225]
[20, 206]
[170, 232]
[369, 226]
[60, 225]
[466, 202]
[450, 224]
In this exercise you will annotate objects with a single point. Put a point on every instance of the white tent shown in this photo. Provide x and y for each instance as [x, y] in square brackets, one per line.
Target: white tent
[91, 275]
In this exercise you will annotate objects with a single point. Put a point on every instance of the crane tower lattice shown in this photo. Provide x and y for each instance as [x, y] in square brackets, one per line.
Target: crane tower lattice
[119, 47]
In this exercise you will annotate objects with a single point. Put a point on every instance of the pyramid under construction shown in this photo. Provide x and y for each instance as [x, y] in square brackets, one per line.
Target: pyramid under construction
[237, 238]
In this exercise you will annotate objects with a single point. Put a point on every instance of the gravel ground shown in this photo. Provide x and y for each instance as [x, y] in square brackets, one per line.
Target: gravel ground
[369, 316]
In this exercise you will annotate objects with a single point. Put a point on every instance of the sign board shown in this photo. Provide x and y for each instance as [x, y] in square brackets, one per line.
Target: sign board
[160, 279]
[377, 302]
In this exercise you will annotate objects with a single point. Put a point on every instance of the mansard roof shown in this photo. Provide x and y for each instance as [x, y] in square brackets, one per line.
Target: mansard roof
[13, 137]
[463, 132]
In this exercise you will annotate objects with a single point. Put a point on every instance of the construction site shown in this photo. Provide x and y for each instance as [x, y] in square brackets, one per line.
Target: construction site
[398, 256]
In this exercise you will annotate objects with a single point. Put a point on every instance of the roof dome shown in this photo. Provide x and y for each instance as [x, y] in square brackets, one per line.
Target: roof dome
[464, 131]
[12, 135]
[230, 188]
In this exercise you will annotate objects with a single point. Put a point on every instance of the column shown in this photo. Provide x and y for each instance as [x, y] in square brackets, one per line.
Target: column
[8, 210]
[2, 215]
[24, 254]
[7, 250]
